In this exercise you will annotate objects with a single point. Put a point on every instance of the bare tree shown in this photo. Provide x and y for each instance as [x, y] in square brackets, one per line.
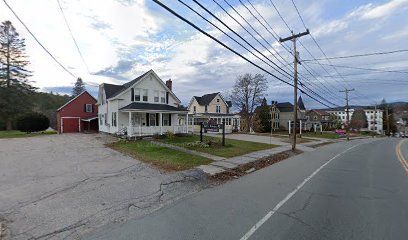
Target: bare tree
[247, 94]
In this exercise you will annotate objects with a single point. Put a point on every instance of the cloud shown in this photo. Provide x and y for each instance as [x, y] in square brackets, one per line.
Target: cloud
[386, 9]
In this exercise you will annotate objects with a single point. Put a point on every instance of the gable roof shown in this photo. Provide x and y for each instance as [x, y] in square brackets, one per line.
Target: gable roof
[112, 90]
[126, 85]
[285, 107]
[73, 99]
[206, 99]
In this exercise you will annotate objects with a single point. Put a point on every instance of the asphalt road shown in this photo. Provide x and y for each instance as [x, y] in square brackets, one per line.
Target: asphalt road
[348, 190]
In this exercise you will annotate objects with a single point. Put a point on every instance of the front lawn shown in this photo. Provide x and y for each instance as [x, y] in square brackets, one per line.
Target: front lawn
[232, 147]
[18, 134]
[160, 156]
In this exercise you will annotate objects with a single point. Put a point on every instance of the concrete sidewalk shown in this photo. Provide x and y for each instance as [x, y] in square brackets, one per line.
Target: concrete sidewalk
[234, 162]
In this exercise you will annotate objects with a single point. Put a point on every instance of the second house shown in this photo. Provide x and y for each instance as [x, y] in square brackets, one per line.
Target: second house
[144, 106]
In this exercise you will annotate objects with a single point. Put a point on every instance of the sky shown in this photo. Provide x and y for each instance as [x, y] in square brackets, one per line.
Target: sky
[121, 39]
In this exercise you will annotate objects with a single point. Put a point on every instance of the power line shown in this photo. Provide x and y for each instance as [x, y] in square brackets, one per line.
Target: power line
[229, 48]
[303, 65]
[275, 37]
[35, 38]
[320, 48]
[367, 69]
[360, 55]
[277, 68]
[72, 36]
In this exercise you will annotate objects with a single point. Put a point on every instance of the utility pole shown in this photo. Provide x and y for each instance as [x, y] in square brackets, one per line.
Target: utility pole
[295, 62]
[388, 120]
[347, 108]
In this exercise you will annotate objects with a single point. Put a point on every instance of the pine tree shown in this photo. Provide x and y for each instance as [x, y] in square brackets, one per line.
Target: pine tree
[359, 119]
[264, 116]
[15, 88]
[79, 87]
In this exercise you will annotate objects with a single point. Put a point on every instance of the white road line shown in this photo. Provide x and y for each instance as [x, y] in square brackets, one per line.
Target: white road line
[290, 195]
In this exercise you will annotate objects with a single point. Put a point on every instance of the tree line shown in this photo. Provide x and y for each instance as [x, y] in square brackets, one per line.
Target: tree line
[18, 96]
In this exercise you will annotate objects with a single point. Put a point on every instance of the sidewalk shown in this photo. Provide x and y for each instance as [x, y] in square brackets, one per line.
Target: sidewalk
[234, 162]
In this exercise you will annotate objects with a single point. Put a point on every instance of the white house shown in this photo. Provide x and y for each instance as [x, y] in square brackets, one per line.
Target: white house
[212, 107]
[141, 107]
[374, 117]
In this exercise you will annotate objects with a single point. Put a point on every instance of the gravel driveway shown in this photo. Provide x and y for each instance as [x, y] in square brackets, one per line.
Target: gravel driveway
[62, 186]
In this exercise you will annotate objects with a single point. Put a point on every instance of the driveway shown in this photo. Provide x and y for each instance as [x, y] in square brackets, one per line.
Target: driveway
[62, 186]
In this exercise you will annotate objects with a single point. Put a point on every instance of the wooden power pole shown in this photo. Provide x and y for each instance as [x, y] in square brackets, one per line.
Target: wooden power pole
[295, 61]
[347, 108]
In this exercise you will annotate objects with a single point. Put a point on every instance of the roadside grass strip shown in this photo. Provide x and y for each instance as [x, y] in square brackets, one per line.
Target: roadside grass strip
[163, 157]
[18, 134]
[400, 156]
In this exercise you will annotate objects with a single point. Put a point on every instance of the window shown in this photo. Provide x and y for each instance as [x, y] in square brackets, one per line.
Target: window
[218, 109]
[205, 109]
[314, 117]
[106, 118]
[163, 97]
[194, 108]
[114, 119]
[218, 100]
[137, 94]
[145, 95]
[166, 120]
[152, 119]
[88, 108]
[156, 96]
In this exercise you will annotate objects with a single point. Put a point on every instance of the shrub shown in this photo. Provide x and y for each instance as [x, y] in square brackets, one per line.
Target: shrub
[169, 134]
[197, 144]
[32, 122]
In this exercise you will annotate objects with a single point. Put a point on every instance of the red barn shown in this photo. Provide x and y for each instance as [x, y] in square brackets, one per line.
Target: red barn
[78, 115]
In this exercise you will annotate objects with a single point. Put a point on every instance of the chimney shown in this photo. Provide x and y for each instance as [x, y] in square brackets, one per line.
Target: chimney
[169, 84]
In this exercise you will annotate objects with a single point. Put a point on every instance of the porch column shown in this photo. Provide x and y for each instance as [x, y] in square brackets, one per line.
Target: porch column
[129, 130]
[161, 123]
[187, 123]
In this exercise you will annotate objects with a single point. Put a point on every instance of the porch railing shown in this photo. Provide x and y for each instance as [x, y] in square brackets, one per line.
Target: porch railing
[152, 130]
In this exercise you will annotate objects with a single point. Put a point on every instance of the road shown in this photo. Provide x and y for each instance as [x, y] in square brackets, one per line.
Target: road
[346, 190]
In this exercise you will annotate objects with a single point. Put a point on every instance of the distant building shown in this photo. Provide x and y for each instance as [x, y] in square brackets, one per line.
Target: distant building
[212, 107]
[282, 113]
[374, 117]
[316, 118]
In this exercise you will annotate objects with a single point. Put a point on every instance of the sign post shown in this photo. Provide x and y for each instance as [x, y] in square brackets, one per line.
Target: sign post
[223, 134]
[213, 128]
[201, 132]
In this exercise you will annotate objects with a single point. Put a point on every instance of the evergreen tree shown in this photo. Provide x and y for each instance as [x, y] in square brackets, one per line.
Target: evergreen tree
[15, 88]
[264, 116]
[79, 87]
[358, 119]
[392, 123]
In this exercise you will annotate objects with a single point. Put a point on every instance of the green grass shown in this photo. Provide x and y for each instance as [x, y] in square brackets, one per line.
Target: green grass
[232, 147]
[328, 135]
[163, 157]
[18, 134]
